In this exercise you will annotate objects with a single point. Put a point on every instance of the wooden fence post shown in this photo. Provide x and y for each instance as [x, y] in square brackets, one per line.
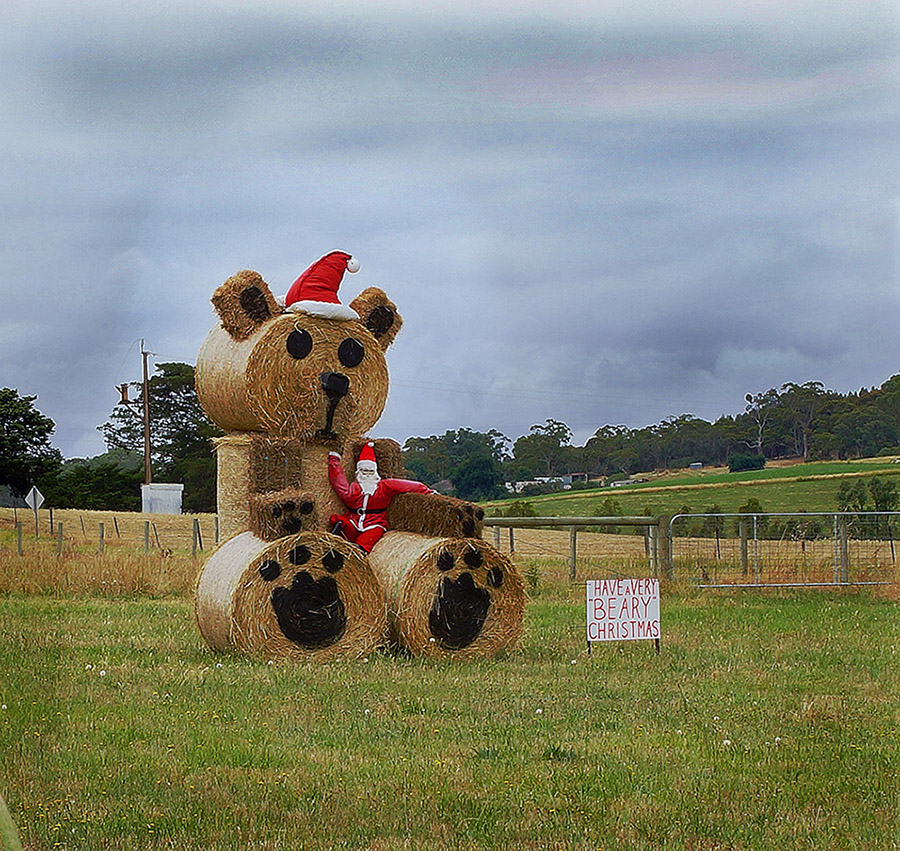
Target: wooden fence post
[573, 551]
[100, 539]
[664, 539]
[512, 540]
[216, 527]
[146, 537]
[59, 537]
[19, 536]
[497, 537]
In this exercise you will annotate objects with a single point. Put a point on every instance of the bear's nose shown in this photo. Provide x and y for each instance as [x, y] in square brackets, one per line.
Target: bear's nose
[335, 384]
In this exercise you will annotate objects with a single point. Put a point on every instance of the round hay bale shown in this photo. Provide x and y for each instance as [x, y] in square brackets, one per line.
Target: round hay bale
[310, 595]
[220, 379]
[449, 597]
[256, 384]
[286, 395]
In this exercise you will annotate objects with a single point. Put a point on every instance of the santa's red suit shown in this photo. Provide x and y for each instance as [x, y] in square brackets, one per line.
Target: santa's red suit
[368, 521]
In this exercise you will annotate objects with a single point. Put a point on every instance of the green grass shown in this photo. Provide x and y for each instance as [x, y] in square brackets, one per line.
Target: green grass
[768, 721]
[804, 487]
[717, 475]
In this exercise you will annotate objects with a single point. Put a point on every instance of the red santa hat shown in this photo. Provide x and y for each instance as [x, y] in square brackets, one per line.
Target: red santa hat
[367, 458]
[315, 291]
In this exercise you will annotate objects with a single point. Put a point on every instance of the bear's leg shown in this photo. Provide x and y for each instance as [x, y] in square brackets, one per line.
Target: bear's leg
[308, 594]
[449, 596]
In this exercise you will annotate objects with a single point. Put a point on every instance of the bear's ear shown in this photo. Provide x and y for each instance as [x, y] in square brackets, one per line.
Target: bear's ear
[244, 302]
[379, 314]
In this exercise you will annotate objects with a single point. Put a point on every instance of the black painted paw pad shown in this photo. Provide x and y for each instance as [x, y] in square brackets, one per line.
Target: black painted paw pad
[310, 611]
[288, 515]
[459, 611]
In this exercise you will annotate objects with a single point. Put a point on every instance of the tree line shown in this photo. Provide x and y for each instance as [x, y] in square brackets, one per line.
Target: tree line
[795, 420]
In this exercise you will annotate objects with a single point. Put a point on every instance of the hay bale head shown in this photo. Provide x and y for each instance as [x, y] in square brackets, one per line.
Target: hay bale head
[294, 374]
[450, 597]
[311, 595]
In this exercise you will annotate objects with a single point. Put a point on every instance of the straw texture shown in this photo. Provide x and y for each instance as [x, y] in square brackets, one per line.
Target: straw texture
[244, 302]
[433, 514]
[379, 314]
[286, 512]
[286, 396]
[217, 584]
[451, 598]
[233, 483]
[306, 596]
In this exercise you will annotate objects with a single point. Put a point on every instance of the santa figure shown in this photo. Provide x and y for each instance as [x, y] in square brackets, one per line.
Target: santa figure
[368, 497]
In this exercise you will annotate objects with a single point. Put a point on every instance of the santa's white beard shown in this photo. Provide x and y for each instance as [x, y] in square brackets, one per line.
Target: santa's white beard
[368, 481]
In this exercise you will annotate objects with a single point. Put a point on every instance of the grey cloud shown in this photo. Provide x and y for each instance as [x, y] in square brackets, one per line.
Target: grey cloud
[565, 232]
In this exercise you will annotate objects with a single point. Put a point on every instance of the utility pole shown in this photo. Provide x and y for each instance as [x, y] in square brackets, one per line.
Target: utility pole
[148, 475]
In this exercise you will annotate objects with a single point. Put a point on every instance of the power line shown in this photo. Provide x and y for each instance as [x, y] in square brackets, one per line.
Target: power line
[533, 393]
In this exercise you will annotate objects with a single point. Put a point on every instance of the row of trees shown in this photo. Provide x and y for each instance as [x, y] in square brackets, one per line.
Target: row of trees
[795, 420]
[181, 449]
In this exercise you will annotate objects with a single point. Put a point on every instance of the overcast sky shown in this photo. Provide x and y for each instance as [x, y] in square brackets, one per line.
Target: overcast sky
[589, 211]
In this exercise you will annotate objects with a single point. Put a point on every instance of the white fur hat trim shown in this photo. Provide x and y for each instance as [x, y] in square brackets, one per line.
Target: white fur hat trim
[324, 308]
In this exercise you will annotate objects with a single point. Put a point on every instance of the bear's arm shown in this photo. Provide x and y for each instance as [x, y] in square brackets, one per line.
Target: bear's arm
[435, 515]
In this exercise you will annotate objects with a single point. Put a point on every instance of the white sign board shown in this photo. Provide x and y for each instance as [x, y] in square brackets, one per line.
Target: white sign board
[622, 609]
[35, 499]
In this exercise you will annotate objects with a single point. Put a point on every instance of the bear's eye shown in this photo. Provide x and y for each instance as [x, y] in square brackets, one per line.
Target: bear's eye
[299, 344]
[351, 352]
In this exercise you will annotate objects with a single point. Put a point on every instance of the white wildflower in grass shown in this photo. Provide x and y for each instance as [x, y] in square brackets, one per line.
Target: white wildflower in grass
[726, 742]
[679, 732]
[365, 712]
[3, 707]
[89, 667]
[715, 717]
[103, 673]
[538, 711]
[573, 662]
[218, 664]
[778, 740]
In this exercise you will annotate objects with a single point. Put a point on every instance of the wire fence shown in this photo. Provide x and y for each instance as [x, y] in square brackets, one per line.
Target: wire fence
[70, 529]
[786, 549]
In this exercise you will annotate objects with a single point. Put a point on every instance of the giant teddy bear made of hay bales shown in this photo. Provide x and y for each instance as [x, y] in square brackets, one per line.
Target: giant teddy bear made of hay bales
[291, 385]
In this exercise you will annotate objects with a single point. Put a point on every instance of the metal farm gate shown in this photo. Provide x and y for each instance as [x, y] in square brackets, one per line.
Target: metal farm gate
[785, 550]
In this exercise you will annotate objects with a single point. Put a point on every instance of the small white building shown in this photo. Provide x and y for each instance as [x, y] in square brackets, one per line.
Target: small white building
[161, 498]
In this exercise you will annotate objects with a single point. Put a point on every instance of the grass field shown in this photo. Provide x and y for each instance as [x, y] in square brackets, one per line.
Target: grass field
[768, 720]
[800, 487]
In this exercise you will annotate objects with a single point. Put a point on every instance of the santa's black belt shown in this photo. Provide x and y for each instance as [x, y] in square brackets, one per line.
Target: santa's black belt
[368, 510]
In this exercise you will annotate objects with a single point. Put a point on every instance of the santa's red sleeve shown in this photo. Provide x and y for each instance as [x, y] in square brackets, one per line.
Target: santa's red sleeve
[338, 479]
[405, 486]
